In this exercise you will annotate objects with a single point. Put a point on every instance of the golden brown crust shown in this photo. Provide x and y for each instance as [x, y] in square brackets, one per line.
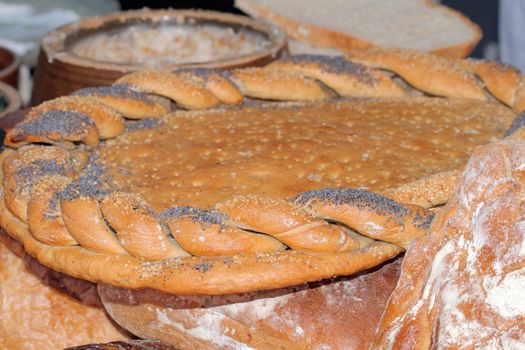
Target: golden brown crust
[43, 211]
[500, 80]
[430, 191]
[519, 105]
[268, 84]
[109, 123]
[203, 275]
[198, 275]
[225, 91]
[330, 249]
[84, 221]
[138, 229]
[293, 227]
[432, 74]
[129, 103]
[195, 275]
[217, 239]
[22, 168]
[346, 78]
[367, 213]
[184, 92]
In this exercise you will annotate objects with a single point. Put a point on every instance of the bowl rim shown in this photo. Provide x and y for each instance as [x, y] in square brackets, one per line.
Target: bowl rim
[13, 65]
[14, 101]
[54, 44]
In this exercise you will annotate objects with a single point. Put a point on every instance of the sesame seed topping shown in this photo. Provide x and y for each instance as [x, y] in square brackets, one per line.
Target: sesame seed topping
[211, 217]
[28, 175]
[92, 183]
[360, 198]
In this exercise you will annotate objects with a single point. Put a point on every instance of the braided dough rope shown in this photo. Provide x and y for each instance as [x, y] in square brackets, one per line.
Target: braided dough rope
[360, 210]
[435, 75]
[84, 220]
[65, 119]
[177, 87]
[282, 220]
[55, 127]
[130, 103]
[344, 77]
[427, 192]
[274, 85]
[138, 229]
[441, 76]
[212, 80]
[108, 122]
[206, 233]
[301, 78]
[500, 80]
[43, 211]
[26, 166]
[143, 233]
[117, 212]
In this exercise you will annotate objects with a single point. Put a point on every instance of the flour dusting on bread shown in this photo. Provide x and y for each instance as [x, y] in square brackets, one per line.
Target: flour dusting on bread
[463, 286]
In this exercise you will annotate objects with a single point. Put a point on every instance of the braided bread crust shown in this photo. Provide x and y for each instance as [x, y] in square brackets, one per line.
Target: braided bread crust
[444, 77]
[266, 243]
[43, 212]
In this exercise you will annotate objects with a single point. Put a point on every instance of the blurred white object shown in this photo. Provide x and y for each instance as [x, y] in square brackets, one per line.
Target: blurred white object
[23, 23]
[25, 84]
[512, 33]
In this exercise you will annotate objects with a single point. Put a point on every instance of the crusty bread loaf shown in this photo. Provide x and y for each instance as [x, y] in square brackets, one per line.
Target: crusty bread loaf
[462, 287]
[35, 314]
[357, 24]
[336, 314]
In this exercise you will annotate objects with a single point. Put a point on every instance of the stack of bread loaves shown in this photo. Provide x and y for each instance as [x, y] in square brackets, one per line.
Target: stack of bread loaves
[377, 204]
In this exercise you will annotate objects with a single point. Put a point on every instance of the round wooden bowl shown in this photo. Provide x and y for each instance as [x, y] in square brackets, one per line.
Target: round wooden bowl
[9, 65]
[60, 72]
[9, 99]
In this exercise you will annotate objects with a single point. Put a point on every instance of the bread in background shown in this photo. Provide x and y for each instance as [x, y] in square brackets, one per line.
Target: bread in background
[356, 24]
[35, 315]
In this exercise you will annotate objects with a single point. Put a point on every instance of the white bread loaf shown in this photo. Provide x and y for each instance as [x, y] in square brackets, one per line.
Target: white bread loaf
[337, 314]
[356, 24]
